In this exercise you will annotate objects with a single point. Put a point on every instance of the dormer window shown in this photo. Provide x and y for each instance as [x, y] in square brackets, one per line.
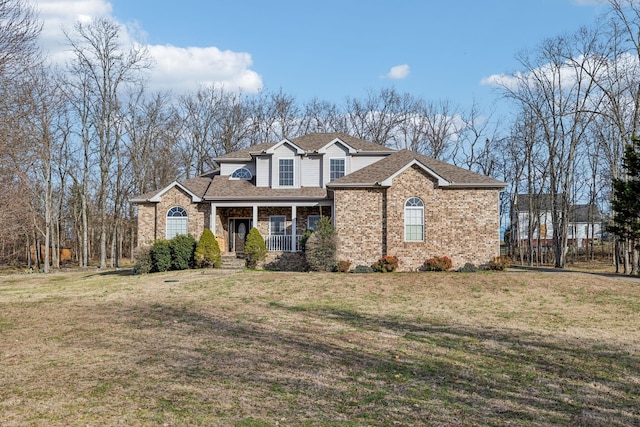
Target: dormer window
[336, 169]
[241, 173]
[285, 173]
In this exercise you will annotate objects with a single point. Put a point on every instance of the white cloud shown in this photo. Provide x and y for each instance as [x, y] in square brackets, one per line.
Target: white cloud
[399, 72]
[501, 80]
[177, 68]
[183, 69]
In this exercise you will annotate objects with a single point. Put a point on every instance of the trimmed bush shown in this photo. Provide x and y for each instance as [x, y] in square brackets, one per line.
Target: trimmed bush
[207, 251]
[499, 263]
[468, 268]
[320, 249]
[160, 256]
[182, 250]
[343, 266]
[386, 264]
[362, 269]
[144, 263]
[438, 263]
[255, 250]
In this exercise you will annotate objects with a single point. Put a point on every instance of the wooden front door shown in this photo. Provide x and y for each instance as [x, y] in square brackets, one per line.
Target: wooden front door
[240, 228]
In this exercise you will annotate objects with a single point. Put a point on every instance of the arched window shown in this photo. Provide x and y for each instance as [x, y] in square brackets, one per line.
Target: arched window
[241, 173]
[177, 222]
[414, 220]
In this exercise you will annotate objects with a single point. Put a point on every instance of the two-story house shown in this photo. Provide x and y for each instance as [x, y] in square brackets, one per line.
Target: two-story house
[532, 217]
[381, 202]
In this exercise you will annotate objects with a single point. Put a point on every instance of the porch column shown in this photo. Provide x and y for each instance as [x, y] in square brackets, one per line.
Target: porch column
[294, 219]
[213, 220]
[255, 216]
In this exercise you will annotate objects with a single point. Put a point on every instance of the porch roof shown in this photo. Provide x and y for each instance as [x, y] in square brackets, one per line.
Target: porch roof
[223, 188]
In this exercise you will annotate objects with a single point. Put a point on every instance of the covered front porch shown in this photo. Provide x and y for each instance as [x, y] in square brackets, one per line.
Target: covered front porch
[281, 224]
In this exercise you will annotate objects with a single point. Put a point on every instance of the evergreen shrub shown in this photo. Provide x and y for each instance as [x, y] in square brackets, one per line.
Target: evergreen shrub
[182, 249]
[255, 250]
[320, 248]
[207, 251]
[160, 256]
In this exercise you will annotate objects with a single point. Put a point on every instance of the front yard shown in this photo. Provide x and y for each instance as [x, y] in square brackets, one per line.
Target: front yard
[268, 348]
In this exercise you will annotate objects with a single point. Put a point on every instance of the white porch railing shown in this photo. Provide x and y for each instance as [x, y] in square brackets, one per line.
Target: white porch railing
[282, 243]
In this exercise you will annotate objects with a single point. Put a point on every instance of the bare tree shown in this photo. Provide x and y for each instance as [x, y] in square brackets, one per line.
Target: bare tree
[198, 111]
[322, 116]
[19, 31]
[46, 132]
[378, 117]
[475, 148]
[555, 88]
[101, 71]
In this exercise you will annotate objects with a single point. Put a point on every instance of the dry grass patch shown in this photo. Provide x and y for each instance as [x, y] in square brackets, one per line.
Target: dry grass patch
[264, 349]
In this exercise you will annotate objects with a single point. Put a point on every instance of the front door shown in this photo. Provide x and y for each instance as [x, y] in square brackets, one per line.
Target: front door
[240, 227]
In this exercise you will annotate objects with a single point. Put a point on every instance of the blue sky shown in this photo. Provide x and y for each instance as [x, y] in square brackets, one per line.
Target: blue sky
[331, 49]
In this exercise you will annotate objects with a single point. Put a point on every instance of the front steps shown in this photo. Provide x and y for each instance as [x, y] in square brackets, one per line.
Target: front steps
[232, 262]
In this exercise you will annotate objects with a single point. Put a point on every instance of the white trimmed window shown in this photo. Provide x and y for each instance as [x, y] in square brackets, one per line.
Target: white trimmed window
[177, 222]
[414, 220]
[285, 172]
[336, 169]
[241, 173]
[312, 222]
[277, 225]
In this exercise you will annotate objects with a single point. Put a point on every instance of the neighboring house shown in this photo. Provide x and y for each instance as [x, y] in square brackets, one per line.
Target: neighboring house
[584, 221]
[381, 202]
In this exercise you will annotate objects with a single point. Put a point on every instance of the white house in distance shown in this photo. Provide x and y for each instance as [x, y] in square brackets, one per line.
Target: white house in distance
[584, 222]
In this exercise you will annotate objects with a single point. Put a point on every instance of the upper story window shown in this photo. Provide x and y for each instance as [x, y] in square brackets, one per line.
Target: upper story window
[414, 220]
[241, 173]
[177, 222]
[336, 169]
[285, 172]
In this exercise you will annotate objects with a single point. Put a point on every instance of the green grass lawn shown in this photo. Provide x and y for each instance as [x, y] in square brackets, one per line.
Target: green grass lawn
[290, 349]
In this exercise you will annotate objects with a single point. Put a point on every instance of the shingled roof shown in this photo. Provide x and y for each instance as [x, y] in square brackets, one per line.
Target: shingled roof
[223, 188]
[315, 141]
[383, 171]
[212, 186]
[310, 143]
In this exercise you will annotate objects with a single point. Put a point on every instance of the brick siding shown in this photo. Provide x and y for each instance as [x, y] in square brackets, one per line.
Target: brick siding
[149, 230]
[359, 224]
[462, 224]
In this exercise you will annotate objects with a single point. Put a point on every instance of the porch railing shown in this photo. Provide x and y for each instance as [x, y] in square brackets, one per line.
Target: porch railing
[282, 243]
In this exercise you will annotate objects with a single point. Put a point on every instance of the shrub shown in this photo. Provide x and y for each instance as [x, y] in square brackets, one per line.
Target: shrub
[343, 266]
[438, 263]
[160, 256]
[303, 240]
[182, 249]
[255, 250]
[499, 263]
[321, 247]
[144, 263]
[386, 264]
[362, 269]
[207, 251]
[468, 268]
